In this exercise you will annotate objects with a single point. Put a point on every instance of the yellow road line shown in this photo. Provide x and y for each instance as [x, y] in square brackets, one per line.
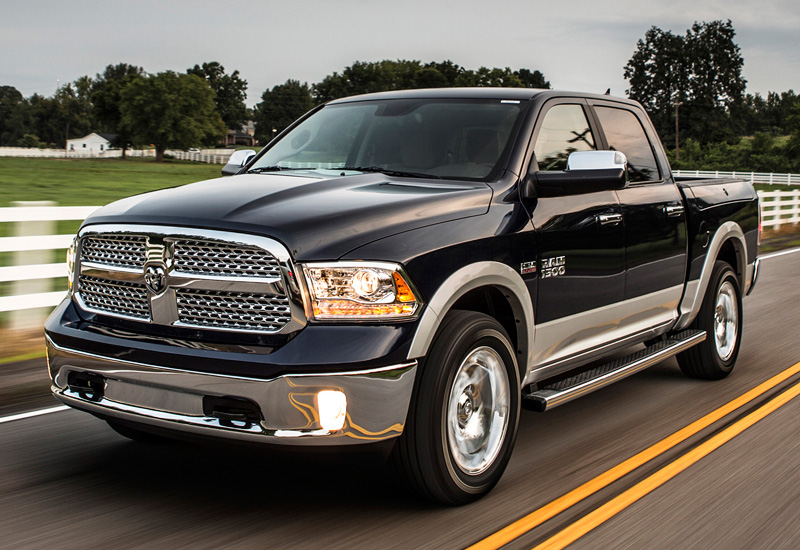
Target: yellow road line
[621, 502]
[555, 507]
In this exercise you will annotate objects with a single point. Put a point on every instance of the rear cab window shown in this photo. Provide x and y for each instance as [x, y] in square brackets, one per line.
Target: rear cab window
[624, 133]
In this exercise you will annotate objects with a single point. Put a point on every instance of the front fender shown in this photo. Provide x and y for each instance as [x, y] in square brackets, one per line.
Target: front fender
[467, 279]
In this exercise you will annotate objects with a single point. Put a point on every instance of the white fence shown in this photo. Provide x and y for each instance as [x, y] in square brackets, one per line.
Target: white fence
[777, 208]
[754, 177]
[32, 152]
[203, 156]
[23, 244]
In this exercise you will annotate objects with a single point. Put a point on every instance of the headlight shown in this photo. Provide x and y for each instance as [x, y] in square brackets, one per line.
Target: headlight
[71, 262]
[356, 290]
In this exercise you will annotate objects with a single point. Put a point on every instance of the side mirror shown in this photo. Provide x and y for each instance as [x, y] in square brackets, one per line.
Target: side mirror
[237, 161]
[587, 172]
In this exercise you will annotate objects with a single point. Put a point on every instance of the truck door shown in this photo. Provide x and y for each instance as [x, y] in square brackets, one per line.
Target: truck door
[655, 220]
[580, 243]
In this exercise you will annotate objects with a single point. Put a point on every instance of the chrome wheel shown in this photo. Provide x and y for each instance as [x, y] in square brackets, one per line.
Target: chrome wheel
[477, 411]
[720, 317]
[726, 321]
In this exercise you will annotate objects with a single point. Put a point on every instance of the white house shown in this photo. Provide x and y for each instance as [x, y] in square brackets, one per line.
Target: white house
[93, 144]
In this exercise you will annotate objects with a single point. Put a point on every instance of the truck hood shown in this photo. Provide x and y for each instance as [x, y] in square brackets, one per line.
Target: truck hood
[316, 218]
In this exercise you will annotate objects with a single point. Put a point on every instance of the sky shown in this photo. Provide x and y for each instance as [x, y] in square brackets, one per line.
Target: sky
[578, 45]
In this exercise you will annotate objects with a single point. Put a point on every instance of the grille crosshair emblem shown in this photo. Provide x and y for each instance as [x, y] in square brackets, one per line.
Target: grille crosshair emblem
[155, 277]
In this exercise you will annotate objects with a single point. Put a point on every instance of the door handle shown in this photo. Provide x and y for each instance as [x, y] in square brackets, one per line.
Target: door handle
[673, 211]
[609, 219]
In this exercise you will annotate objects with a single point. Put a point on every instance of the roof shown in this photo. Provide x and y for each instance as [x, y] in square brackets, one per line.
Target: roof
[107, 137]
[520, 94]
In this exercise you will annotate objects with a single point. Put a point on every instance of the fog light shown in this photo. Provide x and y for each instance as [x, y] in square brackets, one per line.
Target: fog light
[332, 406]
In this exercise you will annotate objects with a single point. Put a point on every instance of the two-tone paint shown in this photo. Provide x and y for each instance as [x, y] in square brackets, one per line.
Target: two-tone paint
[635, 264]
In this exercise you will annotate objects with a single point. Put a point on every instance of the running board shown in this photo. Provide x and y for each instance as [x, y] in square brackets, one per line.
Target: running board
[586, 382]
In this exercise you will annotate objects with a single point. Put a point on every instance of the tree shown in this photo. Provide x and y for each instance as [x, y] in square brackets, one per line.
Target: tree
[14, 116]
[171, 110]
[280, 107]
[29, 140]
[106, 93]
[67, 114]
[793, 147]
[381, 76]
[231, 92]
[699, 73]
[533, 79]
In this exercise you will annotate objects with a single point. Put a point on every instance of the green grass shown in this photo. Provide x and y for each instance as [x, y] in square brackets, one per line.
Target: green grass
[88, 182]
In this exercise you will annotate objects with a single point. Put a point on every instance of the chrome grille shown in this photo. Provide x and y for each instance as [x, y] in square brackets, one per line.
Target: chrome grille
[115, 297]
[224, 259]
[207, 279]
[232, 310]
[115, 250]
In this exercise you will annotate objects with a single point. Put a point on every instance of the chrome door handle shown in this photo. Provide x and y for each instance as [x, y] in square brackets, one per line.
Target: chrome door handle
[673, 211]
[609, 219]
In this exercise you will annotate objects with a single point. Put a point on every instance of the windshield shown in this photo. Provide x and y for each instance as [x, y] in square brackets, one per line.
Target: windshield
[458, 139]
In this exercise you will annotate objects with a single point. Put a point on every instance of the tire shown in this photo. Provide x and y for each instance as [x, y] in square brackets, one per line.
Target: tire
[720, 317]
[135, 434]
[468, 384]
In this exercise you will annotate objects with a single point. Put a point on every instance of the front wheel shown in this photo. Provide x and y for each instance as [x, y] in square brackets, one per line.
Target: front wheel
[720, 317]
[462, 422]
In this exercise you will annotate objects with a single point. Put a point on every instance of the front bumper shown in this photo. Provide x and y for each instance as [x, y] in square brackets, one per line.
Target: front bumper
[176, 399]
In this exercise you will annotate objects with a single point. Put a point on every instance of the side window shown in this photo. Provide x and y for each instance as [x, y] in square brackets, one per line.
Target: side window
[563, 131]
[624, 133]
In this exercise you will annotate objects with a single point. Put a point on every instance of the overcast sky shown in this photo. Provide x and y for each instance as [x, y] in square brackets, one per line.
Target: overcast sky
[578, 45]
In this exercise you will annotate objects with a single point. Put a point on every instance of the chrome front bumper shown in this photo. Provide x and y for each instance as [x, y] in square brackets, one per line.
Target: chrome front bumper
[377, 400]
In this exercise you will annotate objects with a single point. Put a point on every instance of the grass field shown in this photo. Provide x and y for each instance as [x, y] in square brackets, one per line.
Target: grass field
[88, 182]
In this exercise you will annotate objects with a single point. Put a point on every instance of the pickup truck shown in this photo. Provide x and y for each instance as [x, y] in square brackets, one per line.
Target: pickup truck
[406, 271]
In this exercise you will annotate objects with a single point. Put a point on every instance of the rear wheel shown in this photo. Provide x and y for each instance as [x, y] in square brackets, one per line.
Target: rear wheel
[720, 317]
[462, 422]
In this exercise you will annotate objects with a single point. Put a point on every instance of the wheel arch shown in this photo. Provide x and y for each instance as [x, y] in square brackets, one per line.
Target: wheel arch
[728, 244]
[492, 288]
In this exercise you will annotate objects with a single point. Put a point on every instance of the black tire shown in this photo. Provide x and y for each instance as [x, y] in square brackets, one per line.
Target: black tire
[135, 434]
[469, 372]
[721, 317]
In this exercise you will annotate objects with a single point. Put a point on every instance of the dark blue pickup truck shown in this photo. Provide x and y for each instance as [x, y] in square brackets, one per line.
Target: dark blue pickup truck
[406, 270]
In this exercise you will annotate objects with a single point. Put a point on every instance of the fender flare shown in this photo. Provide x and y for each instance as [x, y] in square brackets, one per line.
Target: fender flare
[696, 290]
[466, 279]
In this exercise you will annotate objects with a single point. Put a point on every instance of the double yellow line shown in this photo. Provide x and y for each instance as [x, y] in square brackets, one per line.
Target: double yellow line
[619, 503]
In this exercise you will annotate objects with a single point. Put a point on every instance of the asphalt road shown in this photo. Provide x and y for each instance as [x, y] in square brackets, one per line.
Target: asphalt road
[68, 481]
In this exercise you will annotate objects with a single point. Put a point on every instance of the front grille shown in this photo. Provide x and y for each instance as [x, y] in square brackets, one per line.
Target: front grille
[211, 283]
[232, 310]
[115, 297]
[224, 259]
[115, 250]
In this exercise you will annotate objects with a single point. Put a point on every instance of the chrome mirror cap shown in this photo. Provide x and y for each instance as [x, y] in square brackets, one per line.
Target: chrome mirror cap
[237, 160]
[597, 160]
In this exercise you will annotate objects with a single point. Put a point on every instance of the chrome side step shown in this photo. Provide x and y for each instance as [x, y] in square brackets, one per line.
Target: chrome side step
[582, 383]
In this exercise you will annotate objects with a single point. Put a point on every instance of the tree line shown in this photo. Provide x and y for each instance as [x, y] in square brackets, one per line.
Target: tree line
[198, 107]
[691, 84]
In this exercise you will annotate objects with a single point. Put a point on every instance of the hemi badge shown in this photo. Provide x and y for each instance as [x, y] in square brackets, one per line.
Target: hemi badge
[527, 267]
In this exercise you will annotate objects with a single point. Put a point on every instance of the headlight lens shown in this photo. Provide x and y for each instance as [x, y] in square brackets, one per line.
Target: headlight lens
[71, 251]
[356, 290]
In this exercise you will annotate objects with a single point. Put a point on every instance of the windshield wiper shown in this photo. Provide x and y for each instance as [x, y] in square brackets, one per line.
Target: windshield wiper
[260, 169]
[389, 172]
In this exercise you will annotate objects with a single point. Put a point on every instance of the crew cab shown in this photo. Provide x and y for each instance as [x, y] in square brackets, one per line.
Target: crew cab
[407, 270]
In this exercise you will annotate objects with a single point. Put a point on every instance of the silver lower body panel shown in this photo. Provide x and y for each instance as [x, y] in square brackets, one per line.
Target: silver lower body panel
[377, 400]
